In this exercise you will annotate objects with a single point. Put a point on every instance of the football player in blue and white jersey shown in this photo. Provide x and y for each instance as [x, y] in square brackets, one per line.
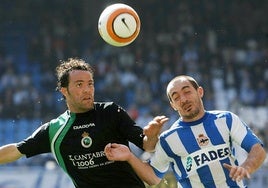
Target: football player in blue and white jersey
[199, 146]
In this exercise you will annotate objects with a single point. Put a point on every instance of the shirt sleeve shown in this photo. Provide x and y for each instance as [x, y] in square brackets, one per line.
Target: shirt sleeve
[160, 160]
[242, 134]
[37, 143]
[128, 128]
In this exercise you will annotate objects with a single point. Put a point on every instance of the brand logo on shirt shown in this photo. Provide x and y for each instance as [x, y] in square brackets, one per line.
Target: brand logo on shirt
[206, 156]
[84, 126]
[202, 140]
[86, 141]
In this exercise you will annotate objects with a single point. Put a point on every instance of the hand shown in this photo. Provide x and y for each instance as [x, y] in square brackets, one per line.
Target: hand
[154, 127]
[117, 152]
[237, 173]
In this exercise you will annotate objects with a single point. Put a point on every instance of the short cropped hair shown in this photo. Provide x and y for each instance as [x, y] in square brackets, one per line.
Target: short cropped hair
[192, 81]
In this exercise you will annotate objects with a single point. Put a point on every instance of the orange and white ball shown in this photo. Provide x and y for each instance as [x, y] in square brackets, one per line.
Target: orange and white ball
[119, 24]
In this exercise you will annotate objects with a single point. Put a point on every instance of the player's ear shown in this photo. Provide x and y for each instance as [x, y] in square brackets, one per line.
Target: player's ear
[200, 91]
[63, 91]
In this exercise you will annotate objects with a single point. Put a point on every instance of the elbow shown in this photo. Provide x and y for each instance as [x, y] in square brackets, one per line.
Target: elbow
[264, 155]
[261, 153]
[257, 153]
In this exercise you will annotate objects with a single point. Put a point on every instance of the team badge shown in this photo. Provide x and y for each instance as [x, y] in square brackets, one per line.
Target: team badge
[202, 140]
[86, 141]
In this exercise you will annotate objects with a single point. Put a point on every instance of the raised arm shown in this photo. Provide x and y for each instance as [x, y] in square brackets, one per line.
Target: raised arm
[253, 161]
[119, 152]
[9, 153]
[152, 131]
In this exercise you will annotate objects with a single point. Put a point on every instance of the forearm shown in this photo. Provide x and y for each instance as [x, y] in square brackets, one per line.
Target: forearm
[9, 153]
[143, 170]
[255, 158]
[149, 143]
[152, 131]
[120, 152]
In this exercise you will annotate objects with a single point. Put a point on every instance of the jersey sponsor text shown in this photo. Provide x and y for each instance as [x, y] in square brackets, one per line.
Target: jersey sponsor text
[206, 156]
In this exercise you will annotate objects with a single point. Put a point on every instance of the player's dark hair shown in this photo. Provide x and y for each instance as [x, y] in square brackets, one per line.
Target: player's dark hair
[65, 67]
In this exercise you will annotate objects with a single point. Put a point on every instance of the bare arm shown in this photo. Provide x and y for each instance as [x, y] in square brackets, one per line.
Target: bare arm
[119, 152]
[9, 153]
[254, 160]
[152, 131]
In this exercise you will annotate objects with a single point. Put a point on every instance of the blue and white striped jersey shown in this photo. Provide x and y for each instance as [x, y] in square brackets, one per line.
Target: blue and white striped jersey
[196, 150]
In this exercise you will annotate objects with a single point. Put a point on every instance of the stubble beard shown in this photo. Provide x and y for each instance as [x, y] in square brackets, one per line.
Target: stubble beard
[191, 115]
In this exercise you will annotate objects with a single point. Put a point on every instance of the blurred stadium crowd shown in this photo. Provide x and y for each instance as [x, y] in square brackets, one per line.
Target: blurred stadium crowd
[223, 44]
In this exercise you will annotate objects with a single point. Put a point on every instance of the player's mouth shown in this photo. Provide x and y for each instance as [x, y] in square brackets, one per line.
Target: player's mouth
[87, 99]
[187, 107]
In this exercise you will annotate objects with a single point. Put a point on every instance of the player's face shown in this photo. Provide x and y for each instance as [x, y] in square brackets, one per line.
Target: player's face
[79, 94]
[186, 100]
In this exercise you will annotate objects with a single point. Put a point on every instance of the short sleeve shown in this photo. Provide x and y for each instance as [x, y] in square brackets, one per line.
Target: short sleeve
[160, 160]
[37, 143]
[127, 126]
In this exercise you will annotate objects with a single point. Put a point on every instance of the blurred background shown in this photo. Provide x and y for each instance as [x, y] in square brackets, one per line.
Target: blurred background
[223, 44]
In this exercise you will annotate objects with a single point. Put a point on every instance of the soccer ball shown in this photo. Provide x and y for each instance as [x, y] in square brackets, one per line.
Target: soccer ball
[119, 24]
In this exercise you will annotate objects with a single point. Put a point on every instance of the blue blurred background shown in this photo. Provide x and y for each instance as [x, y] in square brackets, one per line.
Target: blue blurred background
[223, 44]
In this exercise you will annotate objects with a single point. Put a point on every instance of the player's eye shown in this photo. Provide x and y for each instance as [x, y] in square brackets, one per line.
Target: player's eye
[78, 84]
[187, 92]
[176, 97]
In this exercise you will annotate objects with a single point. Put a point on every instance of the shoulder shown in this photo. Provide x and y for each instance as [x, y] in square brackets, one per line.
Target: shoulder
[61, 119]
[174, 127]
[104, 105]
[224, 117]
[108, 106]
[55, 124]
[221, 114]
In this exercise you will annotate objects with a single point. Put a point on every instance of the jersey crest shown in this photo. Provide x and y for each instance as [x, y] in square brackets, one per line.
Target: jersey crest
[202, 140]
[86, 141]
